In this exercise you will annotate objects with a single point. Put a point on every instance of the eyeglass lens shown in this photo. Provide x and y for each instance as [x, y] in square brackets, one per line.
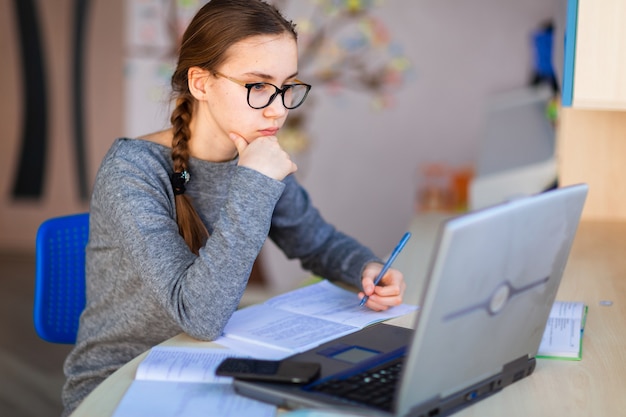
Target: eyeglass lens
[262, 94]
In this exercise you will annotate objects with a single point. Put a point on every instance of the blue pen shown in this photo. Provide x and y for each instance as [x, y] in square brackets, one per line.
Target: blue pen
[387, 265]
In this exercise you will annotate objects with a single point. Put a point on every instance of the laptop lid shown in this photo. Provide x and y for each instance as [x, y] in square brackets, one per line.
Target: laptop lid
[492, 282]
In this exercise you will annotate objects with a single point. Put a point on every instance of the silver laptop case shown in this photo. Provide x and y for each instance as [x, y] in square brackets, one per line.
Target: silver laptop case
[492, 284]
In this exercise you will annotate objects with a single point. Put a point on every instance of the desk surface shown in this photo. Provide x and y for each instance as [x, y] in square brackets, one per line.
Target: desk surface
[595, 273]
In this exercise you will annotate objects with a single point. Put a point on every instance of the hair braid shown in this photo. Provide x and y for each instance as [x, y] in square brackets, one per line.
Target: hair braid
[205, 44]
[190, 226]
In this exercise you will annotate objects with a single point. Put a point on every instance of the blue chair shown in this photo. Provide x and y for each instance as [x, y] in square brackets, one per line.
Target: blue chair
[60, 277]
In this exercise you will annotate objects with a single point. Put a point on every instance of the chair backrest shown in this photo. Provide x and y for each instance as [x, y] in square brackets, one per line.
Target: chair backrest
[60, 277]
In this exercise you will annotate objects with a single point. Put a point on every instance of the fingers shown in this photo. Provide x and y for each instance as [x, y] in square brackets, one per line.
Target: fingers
[377, 302]
[368, 285]
[265, 155]
[374, 303]
[389, 291]
[240, 143]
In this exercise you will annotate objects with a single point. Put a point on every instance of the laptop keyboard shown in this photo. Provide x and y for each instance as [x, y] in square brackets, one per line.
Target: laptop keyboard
[374, 387]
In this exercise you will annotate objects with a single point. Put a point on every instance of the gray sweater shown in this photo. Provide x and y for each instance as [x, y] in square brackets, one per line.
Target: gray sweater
[144, 285]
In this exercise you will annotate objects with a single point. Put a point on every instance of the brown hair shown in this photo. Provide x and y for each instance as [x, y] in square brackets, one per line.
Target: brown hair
[214, 29]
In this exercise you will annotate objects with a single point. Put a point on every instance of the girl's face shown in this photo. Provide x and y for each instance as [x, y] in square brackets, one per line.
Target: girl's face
[265, 58]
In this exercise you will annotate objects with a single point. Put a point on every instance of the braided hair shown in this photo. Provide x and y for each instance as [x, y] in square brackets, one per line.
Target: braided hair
[214, 29]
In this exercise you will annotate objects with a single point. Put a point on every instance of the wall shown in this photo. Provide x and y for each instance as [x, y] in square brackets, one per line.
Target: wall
[362, 168]
[103, 108]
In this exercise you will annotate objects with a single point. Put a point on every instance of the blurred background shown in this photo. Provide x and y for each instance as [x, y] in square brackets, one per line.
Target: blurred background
[408, 98]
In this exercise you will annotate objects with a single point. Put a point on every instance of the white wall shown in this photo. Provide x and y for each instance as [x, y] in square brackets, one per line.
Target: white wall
[363, 168]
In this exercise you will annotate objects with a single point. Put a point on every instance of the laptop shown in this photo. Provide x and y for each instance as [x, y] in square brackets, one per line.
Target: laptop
[492, 282]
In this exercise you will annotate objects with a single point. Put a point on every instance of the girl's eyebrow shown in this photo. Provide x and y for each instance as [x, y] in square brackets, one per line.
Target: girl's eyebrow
[269, 77]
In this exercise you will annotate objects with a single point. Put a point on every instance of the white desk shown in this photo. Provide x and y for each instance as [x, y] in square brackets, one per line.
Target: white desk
[595, 386]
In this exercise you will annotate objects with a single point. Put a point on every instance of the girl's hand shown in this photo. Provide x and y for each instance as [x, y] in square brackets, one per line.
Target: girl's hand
[264, 155]
[387, 293]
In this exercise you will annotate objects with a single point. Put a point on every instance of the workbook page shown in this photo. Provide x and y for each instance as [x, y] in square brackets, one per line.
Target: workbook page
[165, 363]
[264, 325]
[328, 301]
[188, 399]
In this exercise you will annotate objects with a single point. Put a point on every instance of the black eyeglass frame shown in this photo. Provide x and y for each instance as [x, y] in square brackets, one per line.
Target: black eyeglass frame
[279, 90]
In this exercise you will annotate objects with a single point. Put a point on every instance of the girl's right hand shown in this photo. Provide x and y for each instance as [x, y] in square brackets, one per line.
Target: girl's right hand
[265, 155]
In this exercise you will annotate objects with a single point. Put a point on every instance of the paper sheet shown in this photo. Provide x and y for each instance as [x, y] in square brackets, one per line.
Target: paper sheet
[188, 399]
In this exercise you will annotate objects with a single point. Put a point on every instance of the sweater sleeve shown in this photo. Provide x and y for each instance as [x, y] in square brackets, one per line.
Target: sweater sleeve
[301, 232]
[133, 211]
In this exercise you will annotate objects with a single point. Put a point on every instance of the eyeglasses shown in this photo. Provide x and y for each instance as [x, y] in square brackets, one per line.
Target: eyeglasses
[261, 95]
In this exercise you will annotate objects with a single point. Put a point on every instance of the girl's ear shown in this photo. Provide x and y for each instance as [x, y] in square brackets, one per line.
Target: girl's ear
[197, 78]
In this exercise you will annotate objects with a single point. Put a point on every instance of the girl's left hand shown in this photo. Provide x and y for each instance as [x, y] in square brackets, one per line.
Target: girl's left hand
[387, 293]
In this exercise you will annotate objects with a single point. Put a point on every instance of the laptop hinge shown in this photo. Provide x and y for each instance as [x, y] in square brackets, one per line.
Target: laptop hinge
[439, 407]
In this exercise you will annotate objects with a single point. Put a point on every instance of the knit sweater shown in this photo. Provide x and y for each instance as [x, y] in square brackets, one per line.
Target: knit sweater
[144, 285]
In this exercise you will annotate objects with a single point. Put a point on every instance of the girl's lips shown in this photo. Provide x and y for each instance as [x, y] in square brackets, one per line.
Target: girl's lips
[269, 132]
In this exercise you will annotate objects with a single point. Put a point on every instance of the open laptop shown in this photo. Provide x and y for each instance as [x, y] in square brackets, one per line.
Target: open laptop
[492, 282]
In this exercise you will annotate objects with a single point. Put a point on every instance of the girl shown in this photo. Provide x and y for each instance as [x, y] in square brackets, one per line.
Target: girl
[178, 217]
